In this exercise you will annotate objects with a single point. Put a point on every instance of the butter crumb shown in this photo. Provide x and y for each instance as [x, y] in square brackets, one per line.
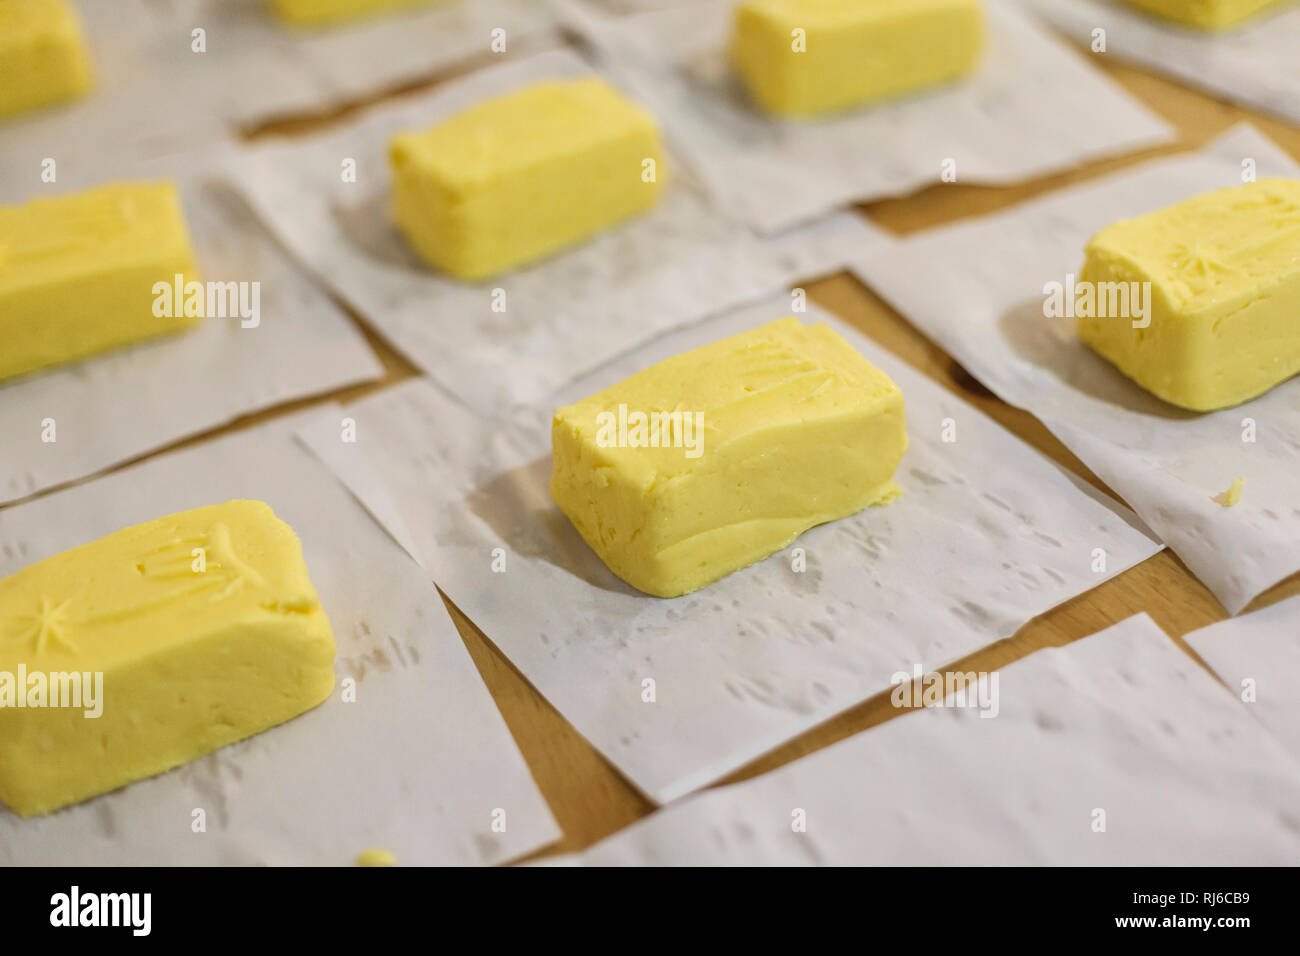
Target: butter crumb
[1232, 495]
[376, 858]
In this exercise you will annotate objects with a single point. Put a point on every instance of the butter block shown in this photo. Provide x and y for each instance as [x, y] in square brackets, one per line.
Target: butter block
[77, 273]
[807, 57]
[779, 429]
[1205, 14]
[205, 627]
[43, 57]
[1224, 304]
[314, 13]
[525, 175]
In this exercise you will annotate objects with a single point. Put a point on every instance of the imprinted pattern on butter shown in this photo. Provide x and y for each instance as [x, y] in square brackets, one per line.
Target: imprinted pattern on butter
[49, 628]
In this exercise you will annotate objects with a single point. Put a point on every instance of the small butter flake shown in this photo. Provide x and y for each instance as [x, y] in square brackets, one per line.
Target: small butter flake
[1232, 495]
[376, 858]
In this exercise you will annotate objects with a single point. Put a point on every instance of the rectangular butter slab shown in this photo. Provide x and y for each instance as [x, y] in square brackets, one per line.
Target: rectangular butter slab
[205, 626]
[525, 175]
[77, 272]
[312, 13]
[805, 57]
[1205, 14]
[1224, 270]
[43, 58]
[797, 429]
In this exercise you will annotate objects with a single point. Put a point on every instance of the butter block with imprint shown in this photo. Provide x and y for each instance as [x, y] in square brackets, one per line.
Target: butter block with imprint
[77, 273]
[1206, 14]
[810, 57]
[205, 627]
[43, 55]
[798, 430]
[525, 175]
[1224, 307]
[313, 13]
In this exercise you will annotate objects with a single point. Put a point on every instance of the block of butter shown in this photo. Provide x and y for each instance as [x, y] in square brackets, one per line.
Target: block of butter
[312, 13]
[525, 175]
[805, 57]
[203, 626]
[77, 273]
[1205, 14]
[707, 462]
[43, 58]
[1222, 321]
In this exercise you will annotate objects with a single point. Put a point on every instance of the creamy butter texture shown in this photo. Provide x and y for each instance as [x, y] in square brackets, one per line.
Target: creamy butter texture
[77, 272]
[1224, 270]
[43, 57]
[525, 175]
[1206, 14]
[312, 13]
[205, 626]
[799, 429]
[805, 57]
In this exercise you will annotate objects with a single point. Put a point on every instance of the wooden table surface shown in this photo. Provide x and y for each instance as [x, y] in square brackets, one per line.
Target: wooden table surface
[588, 797]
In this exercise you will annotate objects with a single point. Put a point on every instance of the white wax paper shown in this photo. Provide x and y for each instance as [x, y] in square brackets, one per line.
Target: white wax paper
[988, 534]
[157, 93]
[118, 405]
[419, 764]
[1258, 656]
[1034, 107]
[258, 67]
[976, 288]
[1121, 722]
[1256, 64]
[563, 316]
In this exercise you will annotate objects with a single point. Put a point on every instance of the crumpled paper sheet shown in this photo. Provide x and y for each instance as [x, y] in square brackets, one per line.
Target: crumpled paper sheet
[988, 534]
[1121, 722]
[257, 67]
[1258, 656]
[1034, 107]
[417, 765]
[976, 288]
[155, 95]
[1257, 64]
[143, 105]
[563, 316]
[118, 405]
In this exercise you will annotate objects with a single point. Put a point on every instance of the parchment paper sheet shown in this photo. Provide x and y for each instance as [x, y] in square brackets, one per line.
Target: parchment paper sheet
[977, 289]
[988, 534]
[1257, 64]
[258, 67]
[1034, 107]
[1262, 647]
[1121, 722]
[155, 95]
[118, 405]
[563, 316]
[417, 764]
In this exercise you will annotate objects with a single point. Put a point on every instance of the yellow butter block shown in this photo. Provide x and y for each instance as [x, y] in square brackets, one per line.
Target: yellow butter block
[775, 431]
[1205, 14]
[43, 58]
[204, 626]
[78, 273]
[313, 13]
[805, 57]
[525, 175]
[1224, 304]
